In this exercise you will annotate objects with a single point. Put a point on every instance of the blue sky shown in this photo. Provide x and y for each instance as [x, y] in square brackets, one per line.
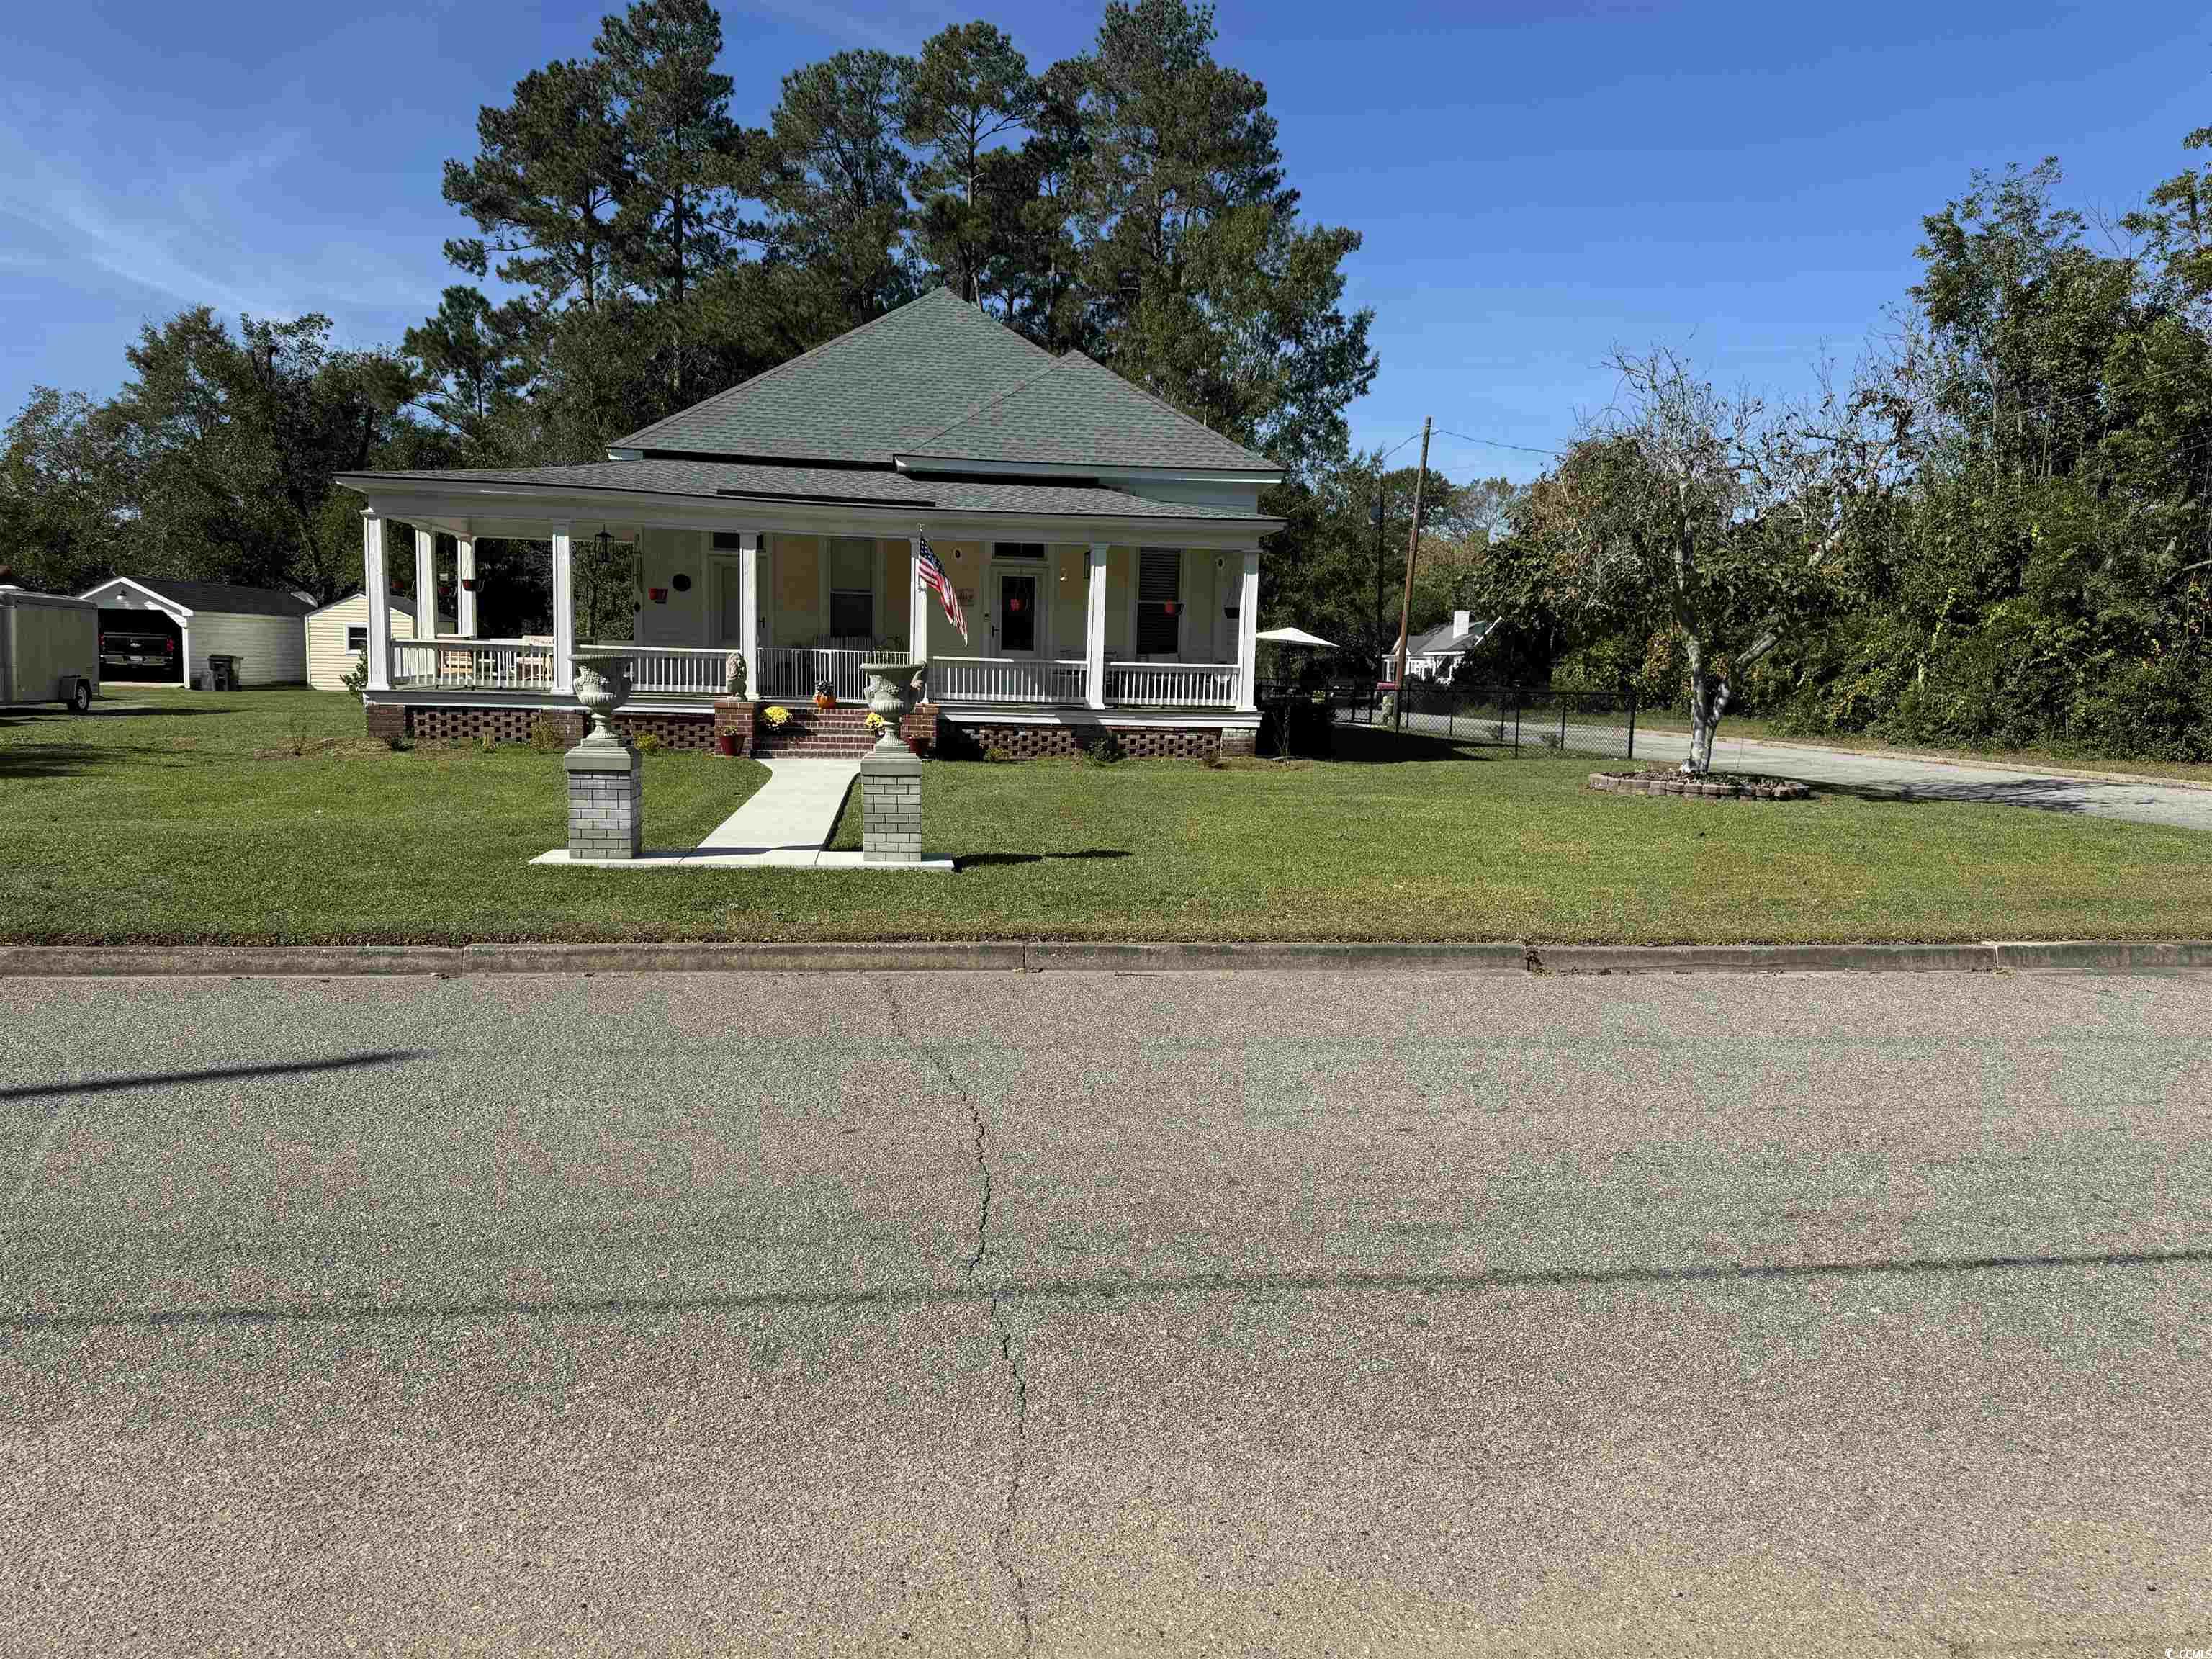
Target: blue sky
[1535, 182]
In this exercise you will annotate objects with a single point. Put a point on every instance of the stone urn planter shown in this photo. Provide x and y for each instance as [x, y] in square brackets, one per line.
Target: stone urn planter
[602, 681]
[891, 693]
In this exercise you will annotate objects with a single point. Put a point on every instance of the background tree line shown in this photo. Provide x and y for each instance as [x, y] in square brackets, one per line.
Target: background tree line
[1999, 534]
[635, 247]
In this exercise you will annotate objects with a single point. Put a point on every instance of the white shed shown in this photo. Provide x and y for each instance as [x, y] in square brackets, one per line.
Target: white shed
[339, 634]
[261, 627]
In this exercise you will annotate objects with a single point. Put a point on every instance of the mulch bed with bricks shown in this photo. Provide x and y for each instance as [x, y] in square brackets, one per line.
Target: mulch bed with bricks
[1714, 786]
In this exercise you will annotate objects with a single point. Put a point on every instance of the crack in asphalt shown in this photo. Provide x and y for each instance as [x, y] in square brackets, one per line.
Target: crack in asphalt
[1018, 1379]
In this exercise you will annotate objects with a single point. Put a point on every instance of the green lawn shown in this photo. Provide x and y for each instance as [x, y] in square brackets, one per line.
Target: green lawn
[193, 820]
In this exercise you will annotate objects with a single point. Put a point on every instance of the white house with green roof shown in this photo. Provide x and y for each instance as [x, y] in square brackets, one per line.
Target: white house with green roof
[1105, 548]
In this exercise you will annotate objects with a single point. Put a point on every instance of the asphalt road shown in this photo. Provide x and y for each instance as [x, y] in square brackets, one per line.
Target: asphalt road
[1186, 1314]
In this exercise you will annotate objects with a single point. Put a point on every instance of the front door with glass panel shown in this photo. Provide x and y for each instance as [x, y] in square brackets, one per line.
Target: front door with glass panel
[1017, 613]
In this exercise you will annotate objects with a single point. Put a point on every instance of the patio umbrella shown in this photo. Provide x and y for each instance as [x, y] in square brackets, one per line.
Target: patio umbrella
[1294, 636]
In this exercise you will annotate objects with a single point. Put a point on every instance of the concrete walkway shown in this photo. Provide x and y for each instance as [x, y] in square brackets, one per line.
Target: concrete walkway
[794, 812]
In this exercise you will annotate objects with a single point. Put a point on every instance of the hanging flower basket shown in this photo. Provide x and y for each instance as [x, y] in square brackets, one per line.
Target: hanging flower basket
[468, 584]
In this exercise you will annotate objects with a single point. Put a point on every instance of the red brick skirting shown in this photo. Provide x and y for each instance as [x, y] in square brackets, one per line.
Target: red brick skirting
[968, 739]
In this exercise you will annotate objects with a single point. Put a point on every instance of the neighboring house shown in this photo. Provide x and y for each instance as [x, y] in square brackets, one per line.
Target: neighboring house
[337, 637]
[1434, 655]
[172, 628]
[1105, 548]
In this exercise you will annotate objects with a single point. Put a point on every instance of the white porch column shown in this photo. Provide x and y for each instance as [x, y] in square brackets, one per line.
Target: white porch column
[1248, 624]
[564, 613]
[1094, 630]
[376, 588]
[917, 604]
[464, 572]
[749, 597]
[426, 583]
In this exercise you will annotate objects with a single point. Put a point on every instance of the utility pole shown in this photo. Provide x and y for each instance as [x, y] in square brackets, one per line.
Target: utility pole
[1382, 657]
[1405, 604]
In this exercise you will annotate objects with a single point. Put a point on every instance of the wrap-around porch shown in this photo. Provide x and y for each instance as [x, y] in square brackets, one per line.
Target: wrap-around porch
[1092, 625]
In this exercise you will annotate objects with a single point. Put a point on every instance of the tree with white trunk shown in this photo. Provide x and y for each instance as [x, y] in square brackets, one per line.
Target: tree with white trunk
[1717, 518]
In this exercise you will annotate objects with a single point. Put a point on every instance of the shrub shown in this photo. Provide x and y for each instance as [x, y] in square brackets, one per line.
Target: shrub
[355, 678]
[547, 734]
[994, 754]
[649, 744]
[302, 732]
[487, 741]
[1102, 750]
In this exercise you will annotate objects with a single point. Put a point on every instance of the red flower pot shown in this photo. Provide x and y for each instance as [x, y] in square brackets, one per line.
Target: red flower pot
[726, 743]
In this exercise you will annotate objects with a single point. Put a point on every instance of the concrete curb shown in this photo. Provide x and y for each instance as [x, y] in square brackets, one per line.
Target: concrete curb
[1759, 958]
[1079, 955]
[1104, 957]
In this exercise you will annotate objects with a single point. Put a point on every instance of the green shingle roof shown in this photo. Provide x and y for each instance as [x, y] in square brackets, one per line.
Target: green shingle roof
[938, 378]
[1077, 412]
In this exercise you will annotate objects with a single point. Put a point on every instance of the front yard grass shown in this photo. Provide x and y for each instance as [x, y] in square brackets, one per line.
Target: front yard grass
[189, 817]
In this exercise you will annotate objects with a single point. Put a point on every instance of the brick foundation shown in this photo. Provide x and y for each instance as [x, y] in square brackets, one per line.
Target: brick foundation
[1240, 740]
[386, 720]
[972, 740]
[567, 726]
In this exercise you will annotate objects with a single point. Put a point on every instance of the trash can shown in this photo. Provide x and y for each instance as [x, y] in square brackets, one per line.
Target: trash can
[222, 673]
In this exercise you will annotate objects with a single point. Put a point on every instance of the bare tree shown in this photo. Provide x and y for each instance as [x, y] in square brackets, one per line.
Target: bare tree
[1711, 514]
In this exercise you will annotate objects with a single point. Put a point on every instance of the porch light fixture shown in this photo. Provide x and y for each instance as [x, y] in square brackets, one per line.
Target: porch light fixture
[680, 582]
[602, 545]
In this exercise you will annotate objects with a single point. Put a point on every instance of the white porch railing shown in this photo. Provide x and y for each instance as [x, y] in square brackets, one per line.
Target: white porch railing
[473, 665]
[1005, 679]
[667, 671]
[1171, 684]
[786, 670]
[459, 665]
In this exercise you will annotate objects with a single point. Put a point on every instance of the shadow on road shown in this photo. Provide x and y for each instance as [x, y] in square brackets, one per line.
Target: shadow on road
[97, 1085]
[1114, 1290]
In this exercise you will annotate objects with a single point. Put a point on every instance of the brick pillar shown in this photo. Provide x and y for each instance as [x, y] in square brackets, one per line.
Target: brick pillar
[606, 801]
[735, 715]
[1240, 739]
[891, 808]
[388, 720]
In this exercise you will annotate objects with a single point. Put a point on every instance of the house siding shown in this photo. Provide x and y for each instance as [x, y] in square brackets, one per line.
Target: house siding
[327, 659]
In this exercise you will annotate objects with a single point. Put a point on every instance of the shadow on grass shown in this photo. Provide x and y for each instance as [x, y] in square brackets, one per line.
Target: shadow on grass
[2040, 794]
[977, 861]
[55, 716]
[1363, 744]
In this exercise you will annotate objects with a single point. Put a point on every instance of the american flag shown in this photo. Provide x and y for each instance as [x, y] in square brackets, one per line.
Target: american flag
[933, 577]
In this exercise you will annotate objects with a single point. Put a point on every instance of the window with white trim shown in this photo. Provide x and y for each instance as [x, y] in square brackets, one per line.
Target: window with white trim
[852, 588]
[1159, 596]
[357, 638]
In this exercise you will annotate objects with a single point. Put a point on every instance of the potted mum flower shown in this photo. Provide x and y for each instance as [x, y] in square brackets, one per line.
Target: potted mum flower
[777, 716]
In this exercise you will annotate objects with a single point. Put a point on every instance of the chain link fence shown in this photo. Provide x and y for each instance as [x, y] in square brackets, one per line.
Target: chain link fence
[1523, 720]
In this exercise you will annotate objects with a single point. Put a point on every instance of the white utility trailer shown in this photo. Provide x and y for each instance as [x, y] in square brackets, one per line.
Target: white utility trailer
[49, 648]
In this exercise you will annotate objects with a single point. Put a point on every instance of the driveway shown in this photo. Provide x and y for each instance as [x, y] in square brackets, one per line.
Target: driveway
[1095, 1314]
